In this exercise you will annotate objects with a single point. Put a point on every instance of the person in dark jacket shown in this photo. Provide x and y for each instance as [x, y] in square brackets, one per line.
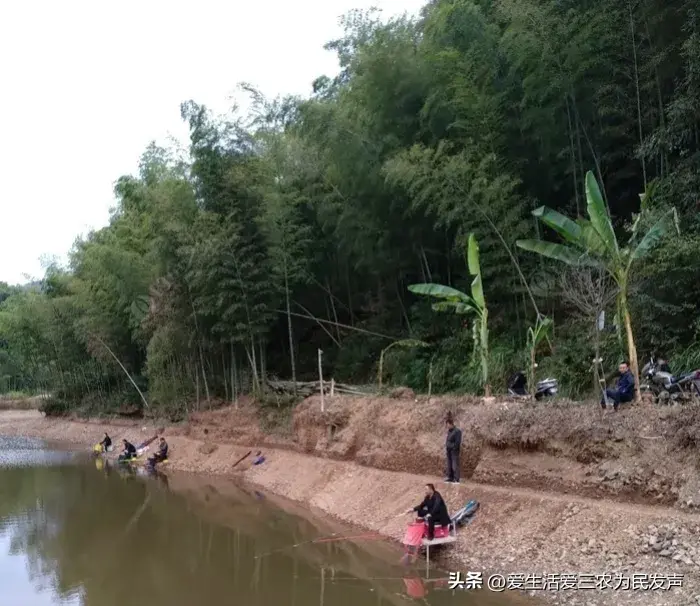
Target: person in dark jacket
[161, 455]
[433, 510]
[623, 391]
[129, 451]
[453, 443]
[106, 443]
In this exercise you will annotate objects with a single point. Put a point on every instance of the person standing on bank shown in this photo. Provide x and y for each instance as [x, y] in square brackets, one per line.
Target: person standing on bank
[453, 444]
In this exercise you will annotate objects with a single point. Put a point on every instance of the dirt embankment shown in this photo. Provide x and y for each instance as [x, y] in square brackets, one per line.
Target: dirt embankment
[533, 467]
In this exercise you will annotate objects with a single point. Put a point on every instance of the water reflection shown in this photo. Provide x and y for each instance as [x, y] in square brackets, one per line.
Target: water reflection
[106, 536]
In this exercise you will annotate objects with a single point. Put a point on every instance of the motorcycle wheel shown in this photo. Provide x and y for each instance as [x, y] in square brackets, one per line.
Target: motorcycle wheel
[664, 397]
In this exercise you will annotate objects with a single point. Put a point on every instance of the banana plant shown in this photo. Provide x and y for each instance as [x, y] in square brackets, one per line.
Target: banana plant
[461, 303]
[535, 336]
[592, 242]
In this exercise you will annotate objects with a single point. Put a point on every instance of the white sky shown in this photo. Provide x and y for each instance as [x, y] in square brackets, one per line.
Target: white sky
[86, 85]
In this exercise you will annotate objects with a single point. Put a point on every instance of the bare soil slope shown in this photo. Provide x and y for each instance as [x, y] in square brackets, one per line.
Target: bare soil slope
[365, 460]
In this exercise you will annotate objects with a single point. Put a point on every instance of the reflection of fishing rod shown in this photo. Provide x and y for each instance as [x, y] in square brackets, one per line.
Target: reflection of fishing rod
[286, 547]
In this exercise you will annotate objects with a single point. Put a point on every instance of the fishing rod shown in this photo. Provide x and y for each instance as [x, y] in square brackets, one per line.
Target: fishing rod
[369, 535]
[327, 539]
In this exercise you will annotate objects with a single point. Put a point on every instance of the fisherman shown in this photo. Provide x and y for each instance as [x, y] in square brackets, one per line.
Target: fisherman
[106, 443]
[259, 458]
[161, 455]
[129, 451]
[623, 392]
[453, 443]
[433, 510]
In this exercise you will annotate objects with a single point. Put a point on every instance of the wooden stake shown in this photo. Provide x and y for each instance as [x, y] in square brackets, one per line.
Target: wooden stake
[247, 454]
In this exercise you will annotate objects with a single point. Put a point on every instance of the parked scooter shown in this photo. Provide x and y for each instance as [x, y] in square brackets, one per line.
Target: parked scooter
[546, 388]
[667, 388]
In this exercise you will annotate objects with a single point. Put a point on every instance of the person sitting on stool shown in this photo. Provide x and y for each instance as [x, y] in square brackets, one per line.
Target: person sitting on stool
[433, 510]
[129, 451]
[106, 443]
[624, 391]
[161, 455]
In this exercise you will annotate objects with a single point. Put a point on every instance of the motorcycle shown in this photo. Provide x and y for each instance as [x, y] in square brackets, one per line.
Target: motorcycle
[667, 387]
[546, 388]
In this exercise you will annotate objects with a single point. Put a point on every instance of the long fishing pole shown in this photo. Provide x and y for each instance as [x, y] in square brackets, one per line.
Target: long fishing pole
[327, 539]
[263, 555]
[145, 403]
[370, 535]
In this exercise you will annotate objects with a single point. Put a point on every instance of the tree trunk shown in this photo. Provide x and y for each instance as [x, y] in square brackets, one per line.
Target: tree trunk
[223, 372]
[262, 365]
[335, 315]
[289, 329]
[204, 374]
[484, 350]
[347, 284]
[631, 349]
[427, 266]
[404, 313]
[234, 376]
[253, 365]
[636, 86]
[573, 157]
[196, 375]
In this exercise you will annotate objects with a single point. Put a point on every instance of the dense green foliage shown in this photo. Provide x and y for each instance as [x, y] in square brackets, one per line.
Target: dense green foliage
[301, 228]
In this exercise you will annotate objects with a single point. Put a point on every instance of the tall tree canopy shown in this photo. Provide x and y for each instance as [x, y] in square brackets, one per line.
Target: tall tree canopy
[301, 225]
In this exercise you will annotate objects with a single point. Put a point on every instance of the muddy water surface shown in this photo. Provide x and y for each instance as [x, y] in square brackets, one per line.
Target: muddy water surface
[73, 532]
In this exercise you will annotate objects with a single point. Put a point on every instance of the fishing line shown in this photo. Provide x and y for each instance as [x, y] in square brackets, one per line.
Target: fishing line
[371, 535]
[290, 547]
[326, 539]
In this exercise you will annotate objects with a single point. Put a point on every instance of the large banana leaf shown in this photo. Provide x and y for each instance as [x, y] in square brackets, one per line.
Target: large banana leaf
[668, 222]
[598, 214]
[590, 240]
[440, 291]
[565, 227]
[456, 306]
[539, 333]
[475, 270]
[559, 252]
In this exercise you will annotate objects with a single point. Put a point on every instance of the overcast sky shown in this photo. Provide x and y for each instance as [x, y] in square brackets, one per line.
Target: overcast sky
[86, 85]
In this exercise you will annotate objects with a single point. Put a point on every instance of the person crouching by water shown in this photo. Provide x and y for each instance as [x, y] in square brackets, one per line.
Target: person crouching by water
[161, 455]
[623, 392]
[433, 510]
[129, 451]
[106, 443]
[453, 443]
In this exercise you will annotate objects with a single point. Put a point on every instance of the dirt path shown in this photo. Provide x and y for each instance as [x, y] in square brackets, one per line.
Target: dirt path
[517, 531]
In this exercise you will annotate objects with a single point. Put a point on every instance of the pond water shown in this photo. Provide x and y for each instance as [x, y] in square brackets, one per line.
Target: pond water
[73, 532]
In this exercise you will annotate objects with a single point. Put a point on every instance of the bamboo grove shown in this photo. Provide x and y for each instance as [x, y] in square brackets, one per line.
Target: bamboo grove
[301, 225]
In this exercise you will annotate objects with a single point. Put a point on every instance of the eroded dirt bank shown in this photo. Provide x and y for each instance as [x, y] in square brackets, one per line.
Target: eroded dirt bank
[347, 462]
